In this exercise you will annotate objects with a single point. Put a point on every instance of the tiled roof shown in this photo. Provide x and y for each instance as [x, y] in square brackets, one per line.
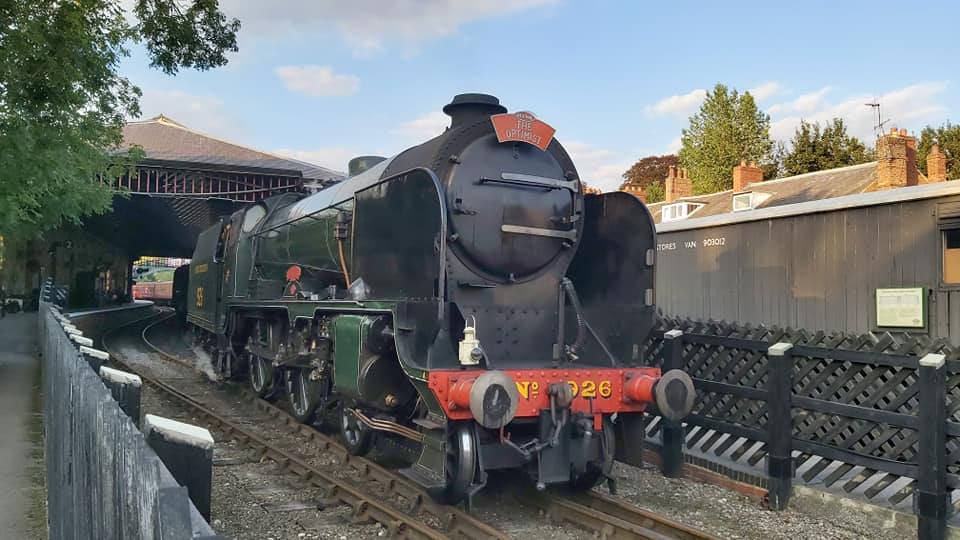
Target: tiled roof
[794, 189]
[163, 139]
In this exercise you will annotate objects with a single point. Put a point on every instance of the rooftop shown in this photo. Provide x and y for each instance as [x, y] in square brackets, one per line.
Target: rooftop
[791, 190]
[167, 141]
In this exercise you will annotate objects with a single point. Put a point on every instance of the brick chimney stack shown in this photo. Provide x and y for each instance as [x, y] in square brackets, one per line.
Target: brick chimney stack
[677, 185]
[636, 191]
[745, 174]
[936, 165]
[896, 160]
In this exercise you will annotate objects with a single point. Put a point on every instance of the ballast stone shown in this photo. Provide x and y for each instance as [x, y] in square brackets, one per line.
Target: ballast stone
[174, 431]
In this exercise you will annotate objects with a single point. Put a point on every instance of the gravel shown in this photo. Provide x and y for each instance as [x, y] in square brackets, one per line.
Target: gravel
[728, 514]
[243, 490]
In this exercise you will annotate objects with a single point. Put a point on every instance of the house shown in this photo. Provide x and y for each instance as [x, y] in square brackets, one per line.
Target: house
[866, 248]
[896, 167]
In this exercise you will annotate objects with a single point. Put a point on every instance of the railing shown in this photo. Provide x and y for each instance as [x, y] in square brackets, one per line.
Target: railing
[103, 480]
[858, 414]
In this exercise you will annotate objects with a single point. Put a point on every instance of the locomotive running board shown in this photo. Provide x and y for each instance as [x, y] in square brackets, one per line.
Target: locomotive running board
[536, 231]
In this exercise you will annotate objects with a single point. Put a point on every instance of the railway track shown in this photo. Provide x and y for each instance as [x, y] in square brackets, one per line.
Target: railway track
[604, 516]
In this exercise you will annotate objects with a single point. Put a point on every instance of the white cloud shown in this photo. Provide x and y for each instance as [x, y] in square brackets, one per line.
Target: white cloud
[367, 25]
[674, 146]
[598, 167]
[425, 127]
[903, 107]
[331, 157]
[802, 104]
[201, 113]
[682, 104]
[317, 81]
[766, 90]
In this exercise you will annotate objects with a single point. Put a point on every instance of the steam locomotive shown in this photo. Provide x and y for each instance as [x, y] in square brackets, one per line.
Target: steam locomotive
[463, 301]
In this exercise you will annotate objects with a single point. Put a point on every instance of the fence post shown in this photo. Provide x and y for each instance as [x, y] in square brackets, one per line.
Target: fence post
[125, 388]
[931, 495]
[779, 425]
[94, 357]
[672, 430]
[187, 452]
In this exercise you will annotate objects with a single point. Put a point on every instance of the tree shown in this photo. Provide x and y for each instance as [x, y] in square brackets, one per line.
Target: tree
[63, 103]
[728, 128]
[650, 170]
[649, 174]
[948, 137]
[815, 149]
[655, 193]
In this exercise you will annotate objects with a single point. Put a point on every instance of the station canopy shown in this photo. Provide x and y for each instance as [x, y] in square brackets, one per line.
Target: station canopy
[186, 181]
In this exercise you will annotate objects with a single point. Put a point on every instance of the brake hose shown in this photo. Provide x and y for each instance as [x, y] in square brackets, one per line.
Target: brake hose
[582, 323]
[577, 310]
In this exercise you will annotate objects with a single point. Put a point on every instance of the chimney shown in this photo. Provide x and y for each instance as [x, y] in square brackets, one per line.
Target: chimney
[745, 174]
[936, 165]
[637, 192]
[634, 190]
[677, 184]
[896, 160]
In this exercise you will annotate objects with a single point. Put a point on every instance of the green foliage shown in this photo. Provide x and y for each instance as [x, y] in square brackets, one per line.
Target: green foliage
[948, 137]
[63, 103]
[728, 128]
[815, 149]
[649, 173]
[196, 36]
[655, 193]
[160, 275]
[650, 170]
[773, 168]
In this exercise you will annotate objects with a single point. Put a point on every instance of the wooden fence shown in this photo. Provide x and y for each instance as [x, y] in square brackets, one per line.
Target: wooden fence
[873, 416]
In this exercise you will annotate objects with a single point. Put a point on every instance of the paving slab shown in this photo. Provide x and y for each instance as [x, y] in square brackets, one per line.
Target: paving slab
[18, 371]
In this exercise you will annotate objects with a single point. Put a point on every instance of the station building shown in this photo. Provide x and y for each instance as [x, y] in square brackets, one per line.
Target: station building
[184, 183]
[866, 248]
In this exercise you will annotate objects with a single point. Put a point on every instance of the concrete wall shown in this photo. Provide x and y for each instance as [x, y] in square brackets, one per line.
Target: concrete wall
[103, 480]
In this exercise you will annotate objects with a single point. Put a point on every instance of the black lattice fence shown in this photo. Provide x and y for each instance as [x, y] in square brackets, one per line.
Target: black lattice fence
[854, 414]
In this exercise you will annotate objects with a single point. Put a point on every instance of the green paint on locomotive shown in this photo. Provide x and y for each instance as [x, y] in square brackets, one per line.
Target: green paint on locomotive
[206, 276]
[348, 334]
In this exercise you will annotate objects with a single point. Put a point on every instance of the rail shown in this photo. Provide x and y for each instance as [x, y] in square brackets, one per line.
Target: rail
[604, 516]
[401, 524]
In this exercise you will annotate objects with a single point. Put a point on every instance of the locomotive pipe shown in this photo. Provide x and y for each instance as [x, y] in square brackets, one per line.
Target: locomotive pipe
[583, 324]
[343, 262]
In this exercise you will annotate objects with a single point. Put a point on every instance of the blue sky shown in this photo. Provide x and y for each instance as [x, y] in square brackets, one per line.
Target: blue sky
[324, 80]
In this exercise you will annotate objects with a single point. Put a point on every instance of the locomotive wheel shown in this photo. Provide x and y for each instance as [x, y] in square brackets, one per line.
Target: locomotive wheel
[357, 437]
[262, 376]
[589, 478]
[304, 394]
[461, 463]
